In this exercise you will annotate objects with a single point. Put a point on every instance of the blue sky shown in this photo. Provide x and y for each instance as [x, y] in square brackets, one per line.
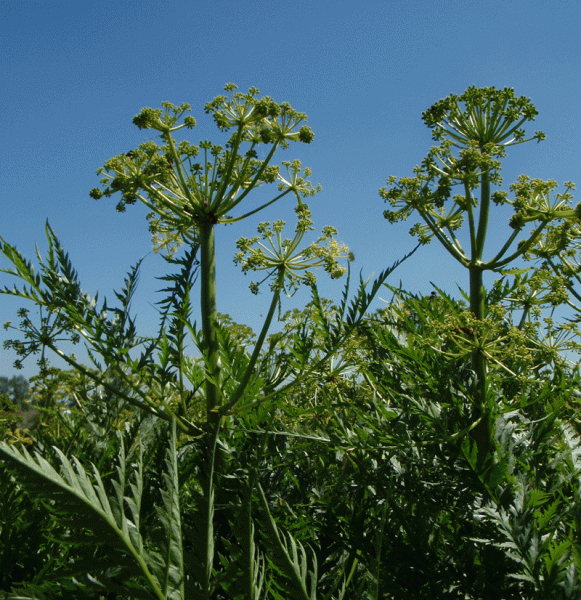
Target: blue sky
[75, 73]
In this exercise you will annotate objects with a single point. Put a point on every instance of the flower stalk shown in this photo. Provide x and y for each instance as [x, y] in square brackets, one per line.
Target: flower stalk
[473, 132]
[191, 189]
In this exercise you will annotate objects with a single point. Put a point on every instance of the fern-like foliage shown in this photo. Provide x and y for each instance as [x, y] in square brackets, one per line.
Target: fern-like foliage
[290, 558]
[57, 289]
[175, 312]
[110, 518]
[536, 527]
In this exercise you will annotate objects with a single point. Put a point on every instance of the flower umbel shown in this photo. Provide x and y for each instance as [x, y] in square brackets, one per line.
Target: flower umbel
[188, 186]
[270, 252]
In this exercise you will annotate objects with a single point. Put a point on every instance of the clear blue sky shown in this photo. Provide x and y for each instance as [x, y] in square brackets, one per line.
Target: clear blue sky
[75, 73]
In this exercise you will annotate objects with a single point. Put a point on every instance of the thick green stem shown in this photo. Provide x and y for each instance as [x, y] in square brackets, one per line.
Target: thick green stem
[477, 292]
[209, 317]
[208, 512]
[248, 546]
[477, 307]
[247, 537]
[483, 217]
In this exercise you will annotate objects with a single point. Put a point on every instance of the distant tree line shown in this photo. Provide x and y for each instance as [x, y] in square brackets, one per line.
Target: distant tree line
[15, 389]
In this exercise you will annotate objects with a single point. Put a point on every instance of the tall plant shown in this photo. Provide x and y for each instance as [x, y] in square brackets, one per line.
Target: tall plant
[454, 184]
[189, 190]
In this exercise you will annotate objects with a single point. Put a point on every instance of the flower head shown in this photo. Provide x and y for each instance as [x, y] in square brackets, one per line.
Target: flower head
[277, 256]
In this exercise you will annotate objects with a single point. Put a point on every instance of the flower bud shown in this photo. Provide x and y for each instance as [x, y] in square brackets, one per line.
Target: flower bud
[306, 135]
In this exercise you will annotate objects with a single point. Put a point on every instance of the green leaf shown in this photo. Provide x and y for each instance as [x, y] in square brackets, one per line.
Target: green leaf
[82, 502]
[290, 557]
[171, 570]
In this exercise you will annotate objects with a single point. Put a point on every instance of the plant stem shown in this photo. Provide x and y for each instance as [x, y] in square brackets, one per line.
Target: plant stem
[477, 291]
[247, 537]
[477, 307]
[258, 346]
[483, 217]
[209, 317]
[208, 512]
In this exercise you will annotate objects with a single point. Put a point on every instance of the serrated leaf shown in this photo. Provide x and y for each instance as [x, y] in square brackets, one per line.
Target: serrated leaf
[80, 502]
[171, 570]
[290, 557]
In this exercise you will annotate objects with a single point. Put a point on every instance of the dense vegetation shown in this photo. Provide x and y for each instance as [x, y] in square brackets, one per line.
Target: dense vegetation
[427, 450]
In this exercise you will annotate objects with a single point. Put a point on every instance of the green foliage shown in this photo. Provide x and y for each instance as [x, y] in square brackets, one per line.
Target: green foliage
[351, 454]
[95, 517]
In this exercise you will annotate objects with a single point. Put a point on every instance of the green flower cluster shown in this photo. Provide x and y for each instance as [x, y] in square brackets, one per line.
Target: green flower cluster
[188, 186]
[283, 257]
